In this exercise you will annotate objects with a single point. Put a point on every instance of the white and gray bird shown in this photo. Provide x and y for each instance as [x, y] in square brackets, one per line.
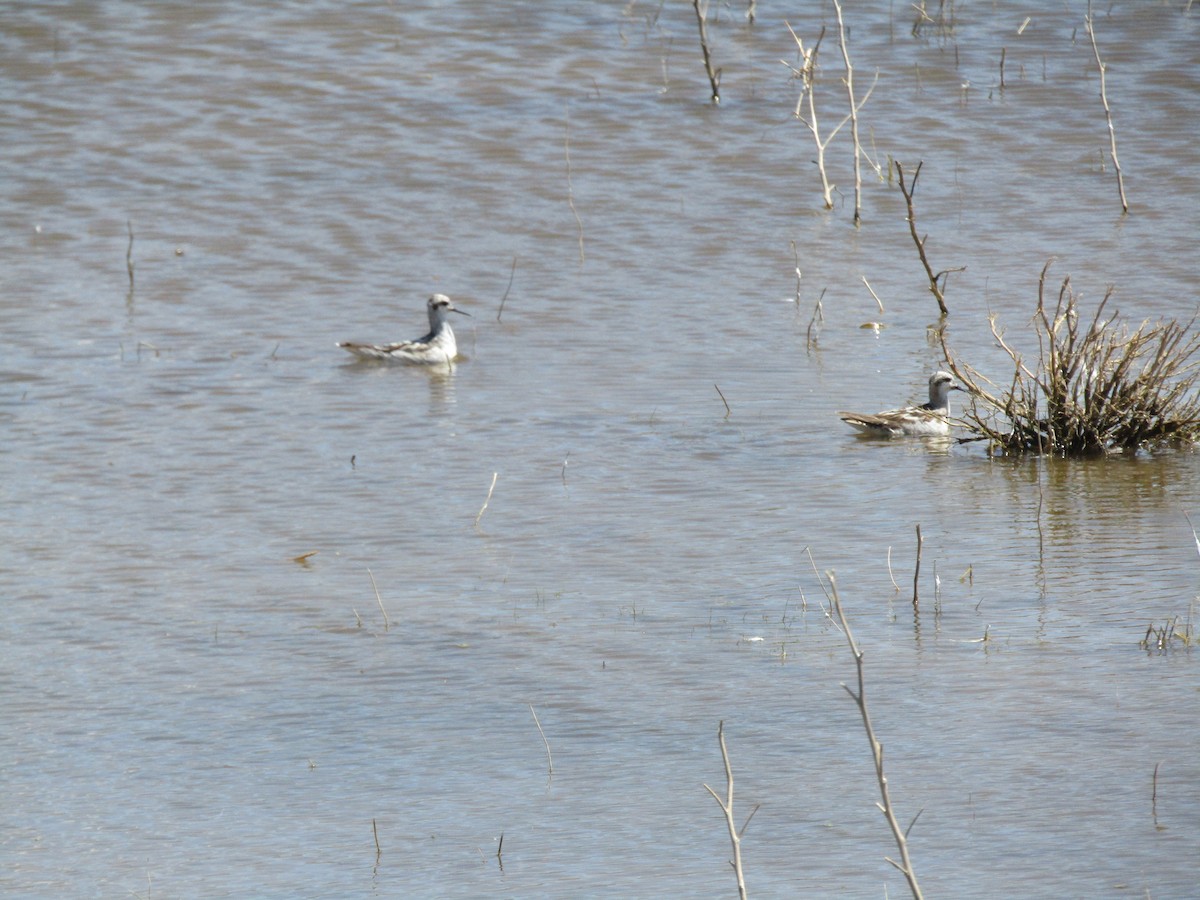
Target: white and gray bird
[929, 419]
[437, 347]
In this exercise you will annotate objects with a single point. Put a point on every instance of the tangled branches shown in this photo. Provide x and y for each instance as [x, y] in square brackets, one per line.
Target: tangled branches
[1095, 389]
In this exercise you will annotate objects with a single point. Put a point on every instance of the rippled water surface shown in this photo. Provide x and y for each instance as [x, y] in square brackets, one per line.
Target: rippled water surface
[255, 621]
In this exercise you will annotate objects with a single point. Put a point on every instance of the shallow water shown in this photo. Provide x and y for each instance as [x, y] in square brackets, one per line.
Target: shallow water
[188, 710]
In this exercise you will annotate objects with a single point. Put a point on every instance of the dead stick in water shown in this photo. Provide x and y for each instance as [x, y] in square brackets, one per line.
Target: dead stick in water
[873, 294]
[714, 77]
[799, 274]
[570, 189]
[817, 320]
[854, 107]
[728, 411]
[917, 571]
[511, 275]
[488, 499]
[379, 600]
[129, 254]
[1112, 133]
[935, 280]
[860, 699]
[549, 758]
[727, 808]
[807, 75]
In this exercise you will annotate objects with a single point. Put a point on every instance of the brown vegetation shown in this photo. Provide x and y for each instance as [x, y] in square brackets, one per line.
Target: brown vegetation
[1095, 388]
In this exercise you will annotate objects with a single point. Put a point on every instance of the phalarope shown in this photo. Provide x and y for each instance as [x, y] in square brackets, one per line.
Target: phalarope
[928, 419]
[436, 347]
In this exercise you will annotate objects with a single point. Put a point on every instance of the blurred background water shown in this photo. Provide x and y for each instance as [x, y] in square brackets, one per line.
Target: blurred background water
[188, 709]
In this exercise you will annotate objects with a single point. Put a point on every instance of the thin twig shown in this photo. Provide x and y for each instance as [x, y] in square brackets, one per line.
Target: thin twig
[549, 758]
[511, 275]
[854, 107]
[727, 808]
[1195, 536]
[1112, 133]
[818, 317]
[935, 287]
[570, 189]
[873, 294]
[488, 499]
[746, 824]
[379, 600]
[860, 699]
[378, 849]
[799, 274]
[817, 320]
[807, 75]
[812, 562]
[917, 570]
[129, 254]
[714, 77]
[728, 411]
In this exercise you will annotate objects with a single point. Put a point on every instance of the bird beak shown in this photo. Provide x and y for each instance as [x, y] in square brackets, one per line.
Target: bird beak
[457, 310]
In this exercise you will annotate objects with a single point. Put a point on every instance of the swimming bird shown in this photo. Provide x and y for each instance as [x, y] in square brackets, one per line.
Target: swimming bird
[436, 347]
[928, 419]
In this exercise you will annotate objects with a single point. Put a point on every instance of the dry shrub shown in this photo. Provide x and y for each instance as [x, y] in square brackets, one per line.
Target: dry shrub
[1095, 389]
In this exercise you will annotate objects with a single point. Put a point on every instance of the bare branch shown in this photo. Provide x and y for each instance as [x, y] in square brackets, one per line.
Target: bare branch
[714, 78]
[854, 107]
[1097, 386]
[1112, 133]
[727, 808]
[860, 699]
[935, 281]
[807, 75]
